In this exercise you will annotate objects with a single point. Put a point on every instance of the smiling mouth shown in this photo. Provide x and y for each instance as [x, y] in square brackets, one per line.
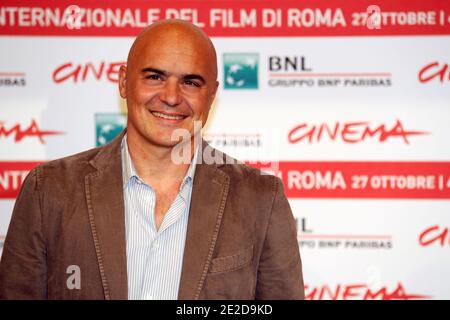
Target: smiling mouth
[167, 116]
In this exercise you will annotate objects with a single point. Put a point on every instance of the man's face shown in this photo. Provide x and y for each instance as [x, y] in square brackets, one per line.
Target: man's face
[169, 84]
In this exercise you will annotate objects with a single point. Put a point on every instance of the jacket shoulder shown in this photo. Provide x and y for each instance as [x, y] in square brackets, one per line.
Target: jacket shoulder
[244, 175]
[253, 177]
[63, 173]
[70, 162]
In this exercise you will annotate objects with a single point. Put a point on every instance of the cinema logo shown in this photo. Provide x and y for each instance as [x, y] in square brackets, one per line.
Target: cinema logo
[360, 291]
[233, 140]
[82, 72]
[19, 132]
[298, 72]
[435, 72]
[309, 239]
[351, 132]
[12, 79]
[436, 236]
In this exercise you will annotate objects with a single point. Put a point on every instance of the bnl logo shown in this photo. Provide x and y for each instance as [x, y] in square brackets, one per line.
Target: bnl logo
[108, 126]
[240, 70]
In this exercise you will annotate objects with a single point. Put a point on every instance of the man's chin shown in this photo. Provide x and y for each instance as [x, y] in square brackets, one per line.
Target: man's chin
[166, 138]
[170, 142]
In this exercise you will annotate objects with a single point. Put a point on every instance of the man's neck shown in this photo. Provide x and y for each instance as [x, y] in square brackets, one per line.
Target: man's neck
[154, 164]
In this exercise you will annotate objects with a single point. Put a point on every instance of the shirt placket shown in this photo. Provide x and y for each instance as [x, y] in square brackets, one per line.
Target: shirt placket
[156, 252]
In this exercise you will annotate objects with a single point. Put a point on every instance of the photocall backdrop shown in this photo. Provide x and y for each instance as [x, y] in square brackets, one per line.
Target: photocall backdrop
[349, 101]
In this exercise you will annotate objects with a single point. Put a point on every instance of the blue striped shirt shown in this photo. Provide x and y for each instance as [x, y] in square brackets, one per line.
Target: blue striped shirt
[154, 257]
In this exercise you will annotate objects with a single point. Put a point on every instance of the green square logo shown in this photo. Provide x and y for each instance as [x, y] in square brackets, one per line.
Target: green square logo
[240, 70]
[108, 126]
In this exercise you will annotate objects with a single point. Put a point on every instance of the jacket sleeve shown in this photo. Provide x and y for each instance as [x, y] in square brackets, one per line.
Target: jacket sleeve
[23, 270]
[280, 270]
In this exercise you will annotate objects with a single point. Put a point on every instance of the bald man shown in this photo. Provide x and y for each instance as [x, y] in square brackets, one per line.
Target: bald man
[131, 221]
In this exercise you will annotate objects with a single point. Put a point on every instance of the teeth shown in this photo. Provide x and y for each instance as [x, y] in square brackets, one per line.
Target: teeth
[165, 116]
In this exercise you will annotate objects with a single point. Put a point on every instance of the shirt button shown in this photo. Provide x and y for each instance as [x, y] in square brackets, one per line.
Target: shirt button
[155, 244]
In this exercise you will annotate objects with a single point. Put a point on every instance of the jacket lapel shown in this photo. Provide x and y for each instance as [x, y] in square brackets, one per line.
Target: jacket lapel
[209, 195]
[104, 195]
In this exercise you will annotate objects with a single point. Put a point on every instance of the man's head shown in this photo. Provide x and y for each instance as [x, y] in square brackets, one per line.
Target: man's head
[169, 82]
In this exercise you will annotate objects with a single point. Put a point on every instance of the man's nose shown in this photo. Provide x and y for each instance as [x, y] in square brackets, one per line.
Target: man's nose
[171, 93]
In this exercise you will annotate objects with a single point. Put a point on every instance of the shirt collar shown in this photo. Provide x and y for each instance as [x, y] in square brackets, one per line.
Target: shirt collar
[129, 171]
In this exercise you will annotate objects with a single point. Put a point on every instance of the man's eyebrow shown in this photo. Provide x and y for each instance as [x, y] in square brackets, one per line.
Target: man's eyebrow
[157, 71]
[184, 76]
[194, 77]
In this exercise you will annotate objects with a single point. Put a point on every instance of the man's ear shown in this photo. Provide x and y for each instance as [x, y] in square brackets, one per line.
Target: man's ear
[123, 81]
[213, 94]
[212, 97]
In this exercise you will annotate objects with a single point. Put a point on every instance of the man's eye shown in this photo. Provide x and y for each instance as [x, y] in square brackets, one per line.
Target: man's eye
[191, 83]
[154, 77]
